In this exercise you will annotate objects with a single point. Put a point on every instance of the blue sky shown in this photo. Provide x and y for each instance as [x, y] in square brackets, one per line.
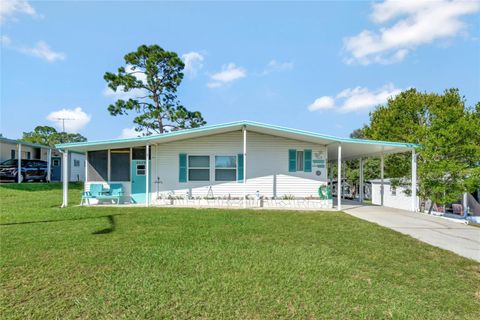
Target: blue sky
[314, 66]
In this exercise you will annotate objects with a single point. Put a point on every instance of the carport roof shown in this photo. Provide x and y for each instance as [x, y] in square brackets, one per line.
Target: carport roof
[351, 148]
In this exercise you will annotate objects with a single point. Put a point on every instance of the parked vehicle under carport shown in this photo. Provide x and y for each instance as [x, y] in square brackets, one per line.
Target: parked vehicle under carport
[35, 170]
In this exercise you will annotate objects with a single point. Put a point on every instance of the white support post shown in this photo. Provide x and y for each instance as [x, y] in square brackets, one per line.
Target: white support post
[244, 166]
[131, 158]
[414, 181]
[147, 176]
[382, 187]
[108, 166]
[339, 179]
[361, 195]
[86, 168]
[465, 204]
[65, 178]
[49, 164]
[19, 164]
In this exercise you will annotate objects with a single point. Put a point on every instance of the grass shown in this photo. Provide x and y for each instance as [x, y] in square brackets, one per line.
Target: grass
[185, 263]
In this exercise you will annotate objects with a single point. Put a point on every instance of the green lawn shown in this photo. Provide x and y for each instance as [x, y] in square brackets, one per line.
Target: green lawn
[242, 264]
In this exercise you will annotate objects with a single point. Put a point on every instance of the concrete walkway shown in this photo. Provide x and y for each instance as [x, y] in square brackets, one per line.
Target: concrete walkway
[457, 237]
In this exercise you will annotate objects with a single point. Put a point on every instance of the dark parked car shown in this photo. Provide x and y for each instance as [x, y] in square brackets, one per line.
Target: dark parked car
[31, 170]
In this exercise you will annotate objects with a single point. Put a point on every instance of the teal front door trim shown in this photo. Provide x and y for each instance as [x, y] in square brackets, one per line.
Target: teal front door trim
[139, 179]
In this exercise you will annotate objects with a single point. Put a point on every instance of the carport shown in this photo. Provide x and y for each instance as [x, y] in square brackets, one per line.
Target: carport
[360, 149]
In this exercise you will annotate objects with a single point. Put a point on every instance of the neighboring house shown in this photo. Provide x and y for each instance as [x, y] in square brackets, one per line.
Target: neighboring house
[10, 149]
[398, 198]
[238, 160]
[392, 197]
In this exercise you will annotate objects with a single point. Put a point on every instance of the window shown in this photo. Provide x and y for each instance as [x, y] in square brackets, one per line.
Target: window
[28, 155]
[76, 163]
[140, 153]
[140, 169]
[97, 165]
[12, 154]
[299, 160]
[120, 164]
[199, 168]
[56, 162]
[225, 168]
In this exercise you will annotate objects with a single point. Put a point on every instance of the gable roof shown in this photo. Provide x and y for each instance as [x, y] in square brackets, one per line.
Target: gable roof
[296, 134]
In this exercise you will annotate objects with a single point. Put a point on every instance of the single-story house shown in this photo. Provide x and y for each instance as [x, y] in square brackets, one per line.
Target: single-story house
[16, 149]
[238, 162]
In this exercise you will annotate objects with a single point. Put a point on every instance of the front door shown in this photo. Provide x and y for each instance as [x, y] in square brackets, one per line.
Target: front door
[139, 179]
[56, 169]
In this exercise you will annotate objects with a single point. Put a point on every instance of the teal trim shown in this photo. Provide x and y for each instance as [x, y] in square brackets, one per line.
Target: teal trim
[292, 160]
[233, 126]
[28, 144]
[182, 164]
[240, 166]
[307, 160]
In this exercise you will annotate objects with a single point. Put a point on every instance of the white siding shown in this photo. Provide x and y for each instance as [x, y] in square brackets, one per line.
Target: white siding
[266, 162]
[77, 173]
[391, 199]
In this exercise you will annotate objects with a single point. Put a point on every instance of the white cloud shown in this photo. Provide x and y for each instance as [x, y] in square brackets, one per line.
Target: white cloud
[43, 51]
[77, 119]
[325, 102]
[275, 66]
[129, 133]
[193, 63]
[8, 8]
[229, 73]
[361, 98]
[414, 23]
[356, 99]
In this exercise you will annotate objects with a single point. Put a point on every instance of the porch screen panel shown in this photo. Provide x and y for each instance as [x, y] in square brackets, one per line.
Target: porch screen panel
[97, 169]
[120, 165]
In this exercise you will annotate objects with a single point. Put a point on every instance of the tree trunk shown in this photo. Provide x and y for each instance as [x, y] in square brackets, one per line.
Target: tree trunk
[431, 207]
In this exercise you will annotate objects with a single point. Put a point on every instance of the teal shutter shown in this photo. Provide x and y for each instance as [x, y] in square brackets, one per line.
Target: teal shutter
[182, 174]
[240, 167]
[292, 160]
[307, 160]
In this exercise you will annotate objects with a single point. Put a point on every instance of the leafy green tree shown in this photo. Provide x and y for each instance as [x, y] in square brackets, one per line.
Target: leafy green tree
[447, 130]
[450, 153]
[49, 136]
[151, 76]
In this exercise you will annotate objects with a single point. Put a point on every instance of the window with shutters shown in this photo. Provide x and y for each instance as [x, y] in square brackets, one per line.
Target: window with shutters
[199, 168]
[225, 168]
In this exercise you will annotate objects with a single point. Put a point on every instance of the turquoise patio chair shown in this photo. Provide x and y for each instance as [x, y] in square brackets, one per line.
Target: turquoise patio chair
[96, 190]
[116, 190]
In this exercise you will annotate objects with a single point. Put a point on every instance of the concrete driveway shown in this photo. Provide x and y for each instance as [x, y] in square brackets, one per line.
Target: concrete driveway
[462, 239]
